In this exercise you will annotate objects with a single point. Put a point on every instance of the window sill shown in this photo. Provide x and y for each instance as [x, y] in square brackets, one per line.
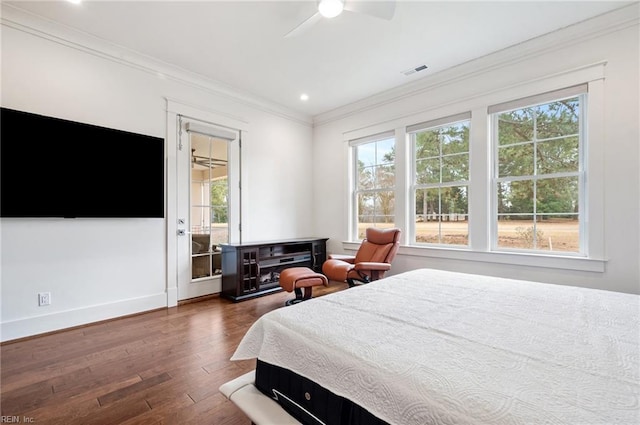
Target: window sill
[511, 258]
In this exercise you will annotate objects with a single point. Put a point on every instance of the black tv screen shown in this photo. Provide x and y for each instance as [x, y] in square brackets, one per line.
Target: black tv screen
[50, 167]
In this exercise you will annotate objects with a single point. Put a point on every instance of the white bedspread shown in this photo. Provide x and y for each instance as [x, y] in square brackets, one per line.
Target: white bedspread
[434, 347]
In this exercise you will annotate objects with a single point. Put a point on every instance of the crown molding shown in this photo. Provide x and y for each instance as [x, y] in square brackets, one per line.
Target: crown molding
[617, 20]
[16, 18]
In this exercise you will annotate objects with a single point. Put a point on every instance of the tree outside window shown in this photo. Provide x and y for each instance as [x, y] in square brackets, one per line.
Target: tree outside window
[538, 176]
[375, 185]
[219, 190]
[440, 181]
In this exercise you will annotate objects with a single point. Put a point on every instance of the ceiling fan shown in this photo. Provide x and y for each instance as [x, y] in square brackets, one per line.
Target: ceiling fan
[205, 161]
[332, 8]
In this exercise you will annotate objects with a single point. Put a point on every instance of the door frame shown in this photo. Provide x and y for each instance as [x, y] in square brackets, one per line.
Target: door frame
[175, 194]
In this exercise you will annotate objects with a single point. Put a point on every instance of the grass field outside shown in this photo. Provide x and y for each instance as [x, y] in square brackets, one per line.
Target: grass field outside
[551, 235]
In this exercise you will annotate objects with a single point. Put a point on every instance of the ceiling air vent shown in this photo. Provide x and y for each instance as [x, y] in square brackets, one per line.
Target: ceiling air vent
[414, 70]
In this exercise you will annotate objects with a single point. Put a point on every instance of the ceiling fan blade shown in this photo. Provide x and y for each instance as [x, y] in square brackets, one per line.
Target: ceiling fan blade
[305, 25]
[379, 9]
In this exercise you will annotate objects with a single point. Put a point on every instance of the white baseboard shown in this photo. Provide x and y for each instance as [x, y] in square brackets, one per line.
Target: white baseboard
[172, 296]
[82, 316]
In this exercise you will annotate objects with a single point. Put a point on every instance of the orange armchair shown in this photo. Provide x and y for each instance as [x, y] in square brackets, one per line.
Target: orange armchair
[370, 263]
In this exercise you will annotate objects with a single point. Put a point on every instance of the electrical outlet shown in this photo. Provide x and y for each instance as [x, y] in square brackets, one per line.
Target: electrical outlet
[44, 298]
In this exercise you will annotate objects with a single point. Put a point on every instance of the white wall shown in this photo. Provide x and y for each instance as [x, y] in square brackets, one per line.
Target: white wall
[541, 63]
[97, 269]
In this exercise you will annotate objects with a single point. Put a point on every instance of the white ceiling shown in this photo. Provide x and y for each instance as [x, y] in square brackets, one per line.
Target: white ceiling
[241, 44]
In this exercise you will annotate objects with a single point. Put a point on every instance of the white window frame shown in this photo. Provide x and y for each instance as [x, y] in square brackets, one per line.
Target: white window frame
[353, 145]
[580, 91]
[411, 132]
[480, 172]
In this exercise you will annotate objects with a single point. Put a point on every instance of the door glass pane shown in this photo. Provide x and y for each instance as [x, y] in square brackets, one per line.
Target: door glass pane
[200, 267]
[209, 203]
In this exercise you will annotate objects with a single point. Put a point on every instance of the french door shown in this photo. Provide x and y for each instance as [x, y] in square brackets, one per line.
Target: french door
[207, 203]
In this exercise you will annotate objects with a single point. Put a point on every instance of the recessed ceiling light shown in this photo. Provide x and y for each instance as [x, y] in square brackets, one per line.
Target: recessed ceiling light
[75, 1]
[304, 97]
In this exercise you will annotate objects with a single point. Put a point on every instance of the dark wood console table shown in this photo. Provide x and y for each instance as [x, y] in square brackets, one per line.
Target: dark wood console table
[253, 269]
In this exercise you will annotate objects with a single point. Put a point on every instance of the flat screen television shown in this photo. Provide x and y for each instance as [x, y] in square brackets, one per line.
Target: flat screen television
[50, 167]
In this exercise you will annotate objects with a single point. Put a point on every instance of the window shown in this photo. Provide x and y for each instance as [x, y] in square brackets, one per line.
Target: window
[440, 182]
[374, 183]
[517, 182]
[538, 172]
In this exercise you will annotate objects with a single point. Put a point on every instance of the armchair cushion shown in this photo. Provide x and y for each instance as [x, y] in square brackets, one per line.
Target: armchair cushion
[372, 252]
[344, 257]
[336, 269]
[368, 265]
[371, 261]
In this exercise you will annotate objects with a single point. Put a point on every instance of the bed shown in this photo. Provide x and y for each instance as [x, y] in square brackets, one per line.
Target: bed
[436, 347]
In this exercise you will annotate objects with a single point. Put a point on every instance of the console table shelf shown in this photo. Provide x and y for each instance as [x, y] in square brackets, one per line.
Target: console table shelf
[252, 269]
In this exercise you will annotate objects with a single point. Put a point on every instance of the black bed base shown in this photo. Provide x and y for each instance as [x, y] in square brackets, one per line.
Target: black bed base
[308, 402]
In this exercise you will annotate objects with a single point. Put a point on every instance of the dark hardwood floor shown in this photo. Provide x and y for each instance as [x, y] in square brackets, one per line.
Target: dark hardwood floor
[161, 367]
